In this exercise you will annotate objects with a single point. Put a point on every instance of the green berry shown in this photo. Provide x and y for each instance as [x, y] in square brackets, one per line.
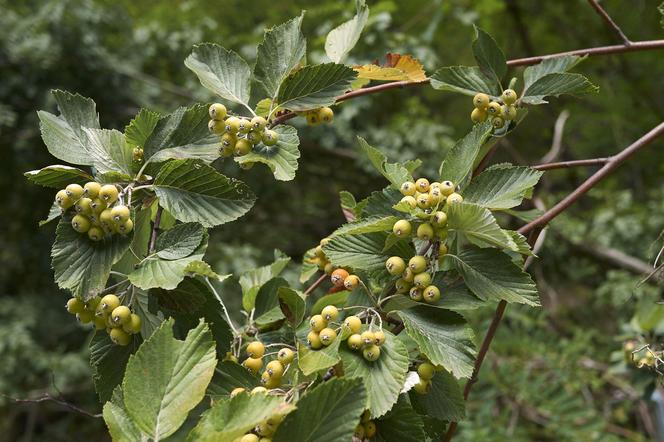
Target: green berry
[85, 317]
[411, 201]
[454, 198]
[106, 218]
[232, 125]
[80, 223]
[256, 349]
[424, 200]
[421, 387]
[285, 356]
[447, 187]
[358, 434]
[253, 364]
[368, 337]
[247, 165]
[63, 200]
[326, 115]
[369, 429]
[509, 112]
[99, 322]
[442, 249]
[74, 191]
[313, 119]
[137, 154]
[408, 275]
[431, 294]
[95, 233]
[327, 336]
[353, 323]
[83, 206]
[216, 127]
[317, 323]
[270, 138]
[237, 391]
[425, 232]
[422, 280]
[415, 294]
[379, 337]
[257, 390]
[126, 227]
[436, 195]
[509, 96]
[109, 303]
[395, 265]
[121, 315]
[91, 189]
[108, 193]
[402, 285]
[478, 115]
[254, 137]
[497, 122]
[440, 219]
[249, 438]
[274, 368]
[242, 147]
[481, 101]
[226, 152]
[75, 305]
[313, 339]
[217, 111]
[494, 109]
[119, 337]
[228, 140]
[402, 228]
[97, 205]
[245, 126]
[133, 326]
[408, 188]
[330, 313]
[120, 214]
[355, 342]
[371, 353]
[417, 264]
[258, 123]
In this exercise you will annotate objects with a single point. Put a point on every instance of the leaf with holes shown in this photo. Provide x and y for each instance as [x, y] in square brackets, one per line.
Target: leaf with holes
[280, 158]
[315, 86]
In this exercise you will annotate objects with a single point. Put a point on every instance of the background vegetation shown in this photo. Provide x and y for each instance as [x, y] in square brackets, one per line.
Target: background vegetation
[555, 373]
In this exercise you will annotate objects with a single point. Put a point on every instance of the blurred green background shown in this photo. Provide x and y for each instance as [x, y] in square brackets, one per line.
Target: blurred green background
[555, 373]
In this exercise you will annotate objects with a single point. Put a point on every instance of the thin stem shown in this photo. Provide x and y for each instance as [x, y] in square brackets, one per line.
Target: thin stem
[48, 398]
[146, 186]
[155, 227]
[609, 21]
[573, 163]
[109, 289]
[371, 295]
[316, 283]
[223, 306]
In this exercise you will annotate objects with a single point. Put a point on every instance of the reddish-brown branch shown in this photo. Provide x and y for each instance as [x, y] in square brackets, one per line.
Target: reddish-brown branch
[48, 398]
[155, 227]
[315, 284]
[609, 21]
[573, 163]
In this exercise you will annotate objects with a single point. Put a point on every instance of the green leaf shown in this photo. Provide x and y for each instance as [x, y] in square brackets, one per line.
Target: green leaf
[280, 158]
[456, 298]
[180, 241]
[364, 251]
[53, 213]
[444, 400]
[120, 426]
[491, 274]
[315, 86]
[549, 66]
[222, 72]
[202, 268]
[252, 280]
[108, 362]
[144, 306]
[58, 177]
[139, 243]
[278, 54]
[443, 336]
[312, 361]
[109, 151]
[521, 242]
[140, 128]
[343, 38]
[467, 80]
[263, 107]
[230, 418]
[489, 56]
[166, 378]
[229, 376]
[267, 302]
[367, 225]
[327, 413]
[64, 135]
[337, 299]
[381, 203]
[660, 8]
[383, 379]
[195, 192]
[82, 265]
[292, 305]
[478, 225]
[400, 424]
[502, 186]
[395, 173]
[557, 84]
[458, 164]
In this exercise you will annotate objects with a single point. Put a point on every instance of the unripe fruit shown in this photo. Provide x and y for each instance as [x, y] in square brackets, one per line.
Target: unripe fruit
[355, 342]
[216, 127]
[478, 115]
[106, 218]
[447, 187]
[254, 137]
[83, 206]
[415, 294]
[481, 101]
[422, 185]
[74, 191]
[228, 140]
[379, 337]
[313, 339]
[402, 285]
[249, 438]
[368, 337]
[351, 282]
[137, 154]
[338, 276]
[330, 313]
[99, 322]
[120, 214]
[226, 151]
[422, 280]
[109, 303]
[494, 109]
[257, 390]
[258, 123]
[408, 188]
[425, 232]
[431, 294]
[270, 138]
[421, 387]
[327, 336]
[402, 228]
[217, 111]
[313, 119]
[411, 201]
[237, 391]
[232, 125]
[329, 268]
[133, 326]
[80, 223]
[63, 200]
[440, 219]
[353, 323]
[326, 115]
[108, 193]
[371, 352]
[274, 368]
[454, 198]
[395, 265]
[85, 317]
[317, 323]
[126, 227]
[255, 349]
[245, 126]
[95, 233]
[263, 429]
[442, 249]
[408, 275]
[91, 189]
[417, 264]
[119, 336]
[436, 195]
[285, 356]
[121, 315]
[369, 429]
[358, 433]
[242, 147]
[97, 205]
[497, 122]
[509, 96]
[253, 364]
[424, 201]
[426, 371]
[509, 112]
[75, 305]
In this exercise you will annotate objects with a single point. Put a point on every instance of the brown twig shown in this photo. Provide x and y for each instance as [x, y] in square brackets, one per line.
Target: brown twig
[155, 227]
[573, 163]
[48, 398]
[609, 21]
[315, 284]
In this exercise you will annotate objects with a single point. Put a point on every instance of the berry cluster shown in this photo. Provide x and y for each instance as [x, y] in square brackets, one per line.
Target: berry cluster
[108, 314]
[320, 259]
[317, 116]
[497, 111]
[366, 429]
[368, 341]
[99, 212]
[321, 334]
[274, 370]
[425, 371]
[239, 135]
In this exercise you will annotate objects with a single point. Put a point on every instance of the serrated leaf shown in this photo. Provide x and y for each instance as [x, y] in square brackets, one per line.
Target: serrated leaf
[53, 213]
[456, 298]
[490, 58]
[109, 151]
[478, 225]
[229, 376]
[141, 127]
[315, 86]
[327, 413]
[252, 280]
[521, 242]
[195, 192]
[458, 164]
[467, 80]
[556, 84]
[400, 68]
[230, 418]
[400, 424]
[120, 425]
[364, 251]
[381, 203]
[278, 54]
[63, 135]
[221, 71]
[395, 173]
[108, 362]
[443, 336]
[343, 38]
[166, 378]
[491, 274]
[187, 297]
[549, 66]
[180, 241]
[380, 73]
[367, 225]
[82, 265]
[292, 305]
[312, 361]
[383, 378]
[337, 299]
[444, 399]
[501, 187]
[280, 158]
[202, 268]
[58, 177]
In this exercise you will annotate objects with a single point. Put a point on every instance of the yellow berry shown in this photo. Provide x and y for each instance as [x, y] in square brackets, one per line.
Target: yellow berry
[509, 96]
[454, 198]
[481, 101]
[217, 111]
[353, 323]
[408, 188]
[494, 109]
[256, 349]
[326, 115]
[478, 115]
[330, 313]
